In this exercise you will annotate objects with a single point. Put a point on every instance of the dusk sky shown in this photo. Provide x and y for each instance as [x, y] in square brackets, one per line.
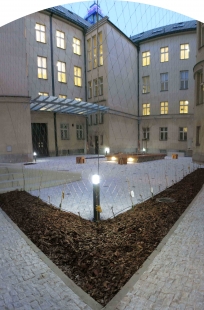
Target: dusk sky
[130, 17]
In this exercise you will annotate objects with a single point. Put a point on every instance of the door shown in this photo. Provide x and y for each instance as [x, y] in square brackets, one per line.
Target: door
[39, 139]
[96, 145]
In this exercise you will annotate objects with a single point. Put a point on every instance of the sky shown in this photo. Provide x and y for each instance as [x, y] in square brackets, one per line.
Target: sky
[130, 17]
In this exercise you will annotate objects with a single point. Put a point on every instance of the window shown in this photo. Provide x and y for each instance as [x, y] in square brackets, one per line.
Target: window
[145, 85]
[43, 94]
[40, 33]
[89, 54]
[95, 86]
[183, 107]
[90, 120]
[146, 108]
[78, 99]
[80, 132]
[146, 133]
[77, 76]
[163, 133]
[164, 81]
[183, 133]
[89, 89]
[76, 46]
[184, 79]
[100, 40]
[100, 85]
[64, 130]
[184, 51]
[200, 28]
[101, 139]
[101, 116]
[96, 119]
[197, 135]
[94, 44]
[145, 58]
[42, 67]
[164, 54]
[61, 67]
[63, 96]
[200, 87]
[60, 37]
[164, 107]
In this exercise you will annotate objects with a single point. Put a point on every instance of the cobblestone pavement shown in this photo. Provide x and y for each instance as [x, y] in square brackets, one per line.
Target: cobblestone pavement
[175, 278]
[26, 282]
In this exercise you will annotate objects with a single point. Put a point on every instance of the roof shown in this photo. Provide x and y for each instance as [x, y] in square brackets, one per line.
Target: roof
[164, 30]
[68, 15]
[68, 106]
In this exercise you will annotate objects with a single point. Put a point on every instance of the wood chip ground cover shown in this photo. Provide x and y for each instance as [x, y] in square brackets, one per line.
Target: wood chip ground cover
[101, 258]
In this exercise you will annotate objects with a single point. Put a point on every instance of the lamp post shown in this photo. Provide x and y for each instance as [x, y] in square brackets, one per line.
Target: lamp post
[96, 196]
[35, 155]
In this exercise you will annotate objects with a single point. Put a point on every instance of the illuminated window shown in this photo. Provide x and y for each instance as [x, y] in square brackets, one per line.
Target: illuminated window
[89, 54]
[61, 67]
[145, 85]
[60, 37]
[164, 54]
[163, 133]
[164, 78]
[77, 76]
[78, 99]
[42, 67]
[80, 132]
[184, 51]
[145, 58]
[184, 79]
[95, 87]
[76, 46]
[183, 133]
[89, 89]
[40, 33]
[164, 107]
[43, 94]
[145, 133]
[183, 107]
[100, 40]
[94, 44]
[146, 108]
[64, 130]
[100, 85]
[63, 96]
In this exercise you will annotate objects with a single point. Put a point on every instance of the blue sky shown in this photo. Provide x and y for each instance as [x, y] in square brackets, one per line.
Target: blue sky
[130, 17]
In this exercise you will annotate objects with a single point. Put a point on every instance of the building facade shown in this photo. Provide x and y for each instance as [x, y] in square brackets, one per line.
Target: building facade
[139, 91]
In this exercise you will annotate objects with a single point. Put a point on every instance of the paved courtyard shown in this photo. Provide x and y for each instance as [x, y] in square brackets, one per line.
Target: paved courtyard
[172, 277]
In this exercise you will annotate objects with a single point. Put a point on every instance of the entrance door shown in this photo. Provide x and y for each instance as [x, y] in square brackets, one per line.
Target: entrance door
[96, 145]
[39, 138]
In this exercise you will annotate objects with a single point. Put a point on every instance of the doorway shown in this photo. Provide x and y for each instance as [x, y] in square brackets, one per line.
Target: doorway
[39, 139]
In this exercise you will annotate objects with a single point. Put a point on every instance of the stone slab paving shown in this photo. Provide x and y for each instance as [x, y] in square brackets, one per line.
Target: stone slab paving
[174, 279]
[27, 282]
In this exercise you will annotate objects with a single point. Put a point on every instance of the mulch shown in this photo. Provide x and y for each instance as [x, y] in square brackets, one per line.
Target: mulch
[101, 257]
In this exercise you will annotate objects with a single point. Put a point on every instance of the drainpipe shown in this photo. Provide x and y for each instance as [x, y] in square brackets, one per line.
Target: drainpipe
[53, 84]
[85, 81]
[138, 95]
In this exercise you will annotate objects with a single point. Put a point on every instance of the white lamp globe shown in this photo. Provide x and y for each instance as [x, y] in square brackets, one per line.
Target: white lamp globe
[95, 179]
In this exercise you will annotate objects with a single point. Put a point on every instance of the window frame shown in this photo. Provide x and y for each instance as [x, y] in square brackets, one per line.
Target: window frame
[42, 70]
[184, 80]
[61, 72]
[41, 33]
[76, 46]
[60, 40]
[164, 83]
[164, 107]
[183, 133]
[94, 49]
[164, 54]
[146, 109]
[89, 89]
[77, 76]
[146, 84]
[183, 106]
[95, 87]
[163, 133]
[89, 55]
[64, 128]
[146, 58]
[100, 48]
[184, 51]
[100, 86]
[80, 131]
[145, 133]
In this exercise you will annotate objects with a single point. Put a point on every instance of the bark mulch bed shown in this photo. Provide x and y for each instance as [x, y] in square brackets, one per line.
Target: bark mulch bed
[101, 258]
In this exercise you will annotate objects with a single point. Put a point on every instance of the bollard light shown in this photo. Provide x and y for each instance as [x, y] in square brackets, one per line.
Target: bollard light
[35, 155]
[96, 196]
[107, 150]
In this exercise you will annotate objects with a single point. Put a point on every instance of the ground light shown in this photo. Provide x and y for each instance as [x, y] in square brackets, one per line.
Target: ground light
[96, 197]
[35, 155]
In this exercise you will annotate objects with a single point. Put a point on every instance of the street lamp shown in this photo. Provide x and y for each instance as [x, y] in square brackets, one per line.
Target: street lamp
[35, 155]
[96, 197]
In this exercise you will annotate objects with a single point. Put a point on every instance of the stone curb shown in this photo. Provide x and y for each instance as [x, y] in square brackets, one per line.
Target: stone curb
[127, 287]
[68, 282]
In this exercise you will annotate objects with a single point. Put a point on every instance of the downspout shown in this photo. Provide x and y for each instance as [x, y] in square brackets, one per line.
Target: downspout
[53, 84]
[85, 81]
[138, 97]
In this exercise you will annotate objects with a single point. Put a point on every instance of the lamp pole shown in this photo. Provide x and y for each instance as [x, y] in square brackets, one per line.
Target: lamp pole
[96, 196]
